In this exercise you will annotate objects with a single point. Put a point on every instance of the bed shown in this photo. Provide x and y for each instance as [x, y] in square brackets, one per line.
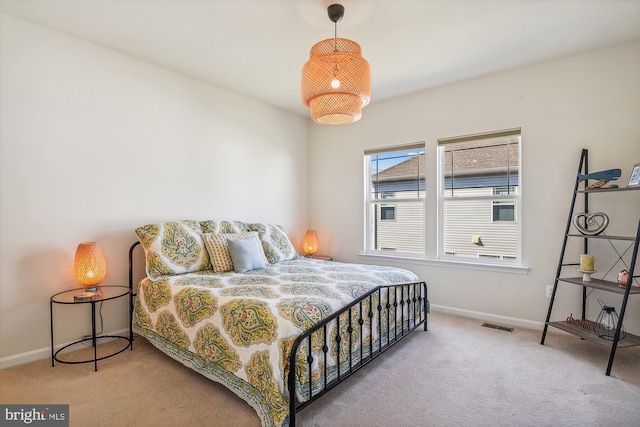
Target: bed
[236, 303]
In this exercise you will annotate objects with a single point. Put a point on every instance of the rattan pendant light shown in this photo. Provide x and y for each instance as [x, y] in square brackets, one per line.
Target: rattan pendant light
[336, 80]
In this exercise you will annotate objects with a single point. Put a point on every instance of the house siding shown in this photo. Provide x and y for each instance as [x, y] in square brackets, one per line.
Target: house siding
[464, 219]
[406, 232]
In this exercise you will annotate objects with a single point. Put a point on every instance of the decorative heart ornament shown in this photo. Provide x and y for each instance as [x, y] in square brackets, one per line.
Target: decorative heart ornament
[596, 222]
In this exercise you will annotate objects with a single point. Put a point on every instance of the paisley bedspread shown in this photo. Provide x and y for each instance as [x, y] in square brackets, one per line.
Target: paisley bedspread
[237, 328]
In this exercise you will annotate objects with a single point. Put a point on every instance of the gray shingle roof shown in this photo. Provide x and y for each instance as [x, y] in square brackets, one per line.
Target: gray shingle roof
[483, 160]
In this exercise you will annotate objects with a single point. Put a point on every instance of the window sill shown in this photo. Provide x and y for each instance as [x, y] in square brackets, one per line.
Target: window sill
[514, 269]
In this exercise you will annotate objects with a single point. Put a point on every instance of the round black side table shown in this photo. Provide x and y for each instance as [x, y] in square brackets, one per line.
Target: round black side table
[104, 293]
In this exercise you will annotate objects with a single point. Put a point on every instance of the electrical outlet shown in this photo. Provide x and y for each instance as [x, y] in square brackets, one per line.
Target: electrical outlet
[549, 290]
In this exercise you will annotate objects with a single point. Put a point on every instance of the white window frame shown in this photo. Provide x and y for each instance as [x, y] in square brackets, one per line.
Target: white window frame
[432, 255]
[517, 197]
[370, 204]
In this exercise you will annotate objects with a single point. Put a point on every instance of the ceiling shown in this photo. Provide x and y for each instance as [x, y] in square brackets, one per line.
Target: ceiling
[258, 47]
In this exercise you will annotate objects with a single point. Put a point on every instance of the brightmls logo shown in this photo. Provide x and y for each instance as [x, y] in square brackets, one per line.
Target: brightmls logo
[37, 415]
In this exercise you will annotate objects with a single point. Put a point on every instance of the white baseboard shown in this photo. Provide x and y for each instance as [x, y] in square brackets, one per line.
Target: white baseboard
[29, 356]
[42, 353]
[488, 317]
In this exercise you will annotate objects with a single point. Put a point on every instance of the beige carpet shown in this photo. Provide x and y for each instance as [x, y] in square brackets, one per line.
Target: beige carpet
[456, 374]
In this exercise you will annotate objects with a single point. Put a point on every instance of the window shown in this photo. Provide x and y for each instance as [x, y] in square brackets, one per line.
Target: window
[478, 197]
[387, 213]
[476, 194]
[503, 211]
[397, 177]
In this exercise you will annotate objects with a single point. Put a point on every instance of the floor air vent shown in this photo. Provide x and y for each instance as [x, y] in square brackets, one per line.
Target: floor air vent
[498, 327]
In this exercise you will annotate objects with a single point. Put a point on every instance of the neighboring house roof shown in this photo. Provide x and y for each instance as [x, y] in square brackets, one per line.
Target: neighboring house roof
[408, 169]
[475, 161]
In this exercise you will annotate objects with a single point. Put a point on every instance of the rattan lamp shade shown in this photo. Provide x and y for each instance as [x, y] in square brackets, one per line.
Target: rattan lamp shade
[89, 266]
[310, 242]
[336, 82]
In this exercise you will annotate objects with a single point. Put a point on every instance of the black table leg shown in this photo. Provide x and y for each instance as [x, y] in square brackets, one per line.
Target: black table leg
[51, 323]
[93, 335]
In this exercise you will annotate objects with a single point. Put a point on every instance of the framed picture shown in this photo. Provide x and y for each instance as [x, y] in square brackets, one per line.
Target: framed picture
[634, 180]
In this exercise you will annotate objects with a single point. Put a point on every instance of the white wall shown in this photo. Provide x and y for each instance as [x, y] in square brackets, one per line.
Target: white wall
[590, 100]
[94, 143]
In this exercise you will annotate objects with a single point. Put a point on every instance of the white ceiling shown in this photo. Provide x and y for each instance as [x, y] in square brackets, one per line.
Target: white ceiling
[258, 47]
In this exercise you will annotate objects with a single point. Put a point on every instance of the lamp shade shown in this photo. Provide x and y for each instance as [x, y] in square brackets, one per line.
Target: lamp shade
[89, 266]
[310, 242]
[336, 82]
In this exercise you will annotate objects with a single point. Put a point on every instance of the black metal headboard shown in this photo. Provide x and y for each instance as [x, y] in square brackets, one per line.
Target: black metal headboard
[133, 294]
[131, 249]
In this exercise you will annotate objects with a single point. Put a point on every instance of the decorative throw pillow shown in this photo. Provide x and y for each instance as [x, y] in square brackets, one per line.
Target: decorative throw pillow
[209, 226]
[218, 247]
[246, 254]
[173, 248]
[227, 227]
[232, 227]
[277, 246]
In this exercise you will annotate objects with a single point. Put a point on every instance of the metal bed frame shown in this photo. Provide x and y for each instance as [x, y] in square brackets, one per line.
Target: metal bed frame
[409, 296]
[372, 309]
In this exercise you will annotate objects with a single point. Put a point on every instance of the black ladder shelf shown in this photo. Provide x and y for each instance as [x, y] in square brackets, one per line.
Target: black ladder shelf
[603, 285]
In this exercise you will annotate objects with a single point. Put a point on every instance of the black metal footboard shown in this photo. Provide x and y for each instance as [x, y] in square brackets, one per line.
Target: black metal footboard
[346, 341]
